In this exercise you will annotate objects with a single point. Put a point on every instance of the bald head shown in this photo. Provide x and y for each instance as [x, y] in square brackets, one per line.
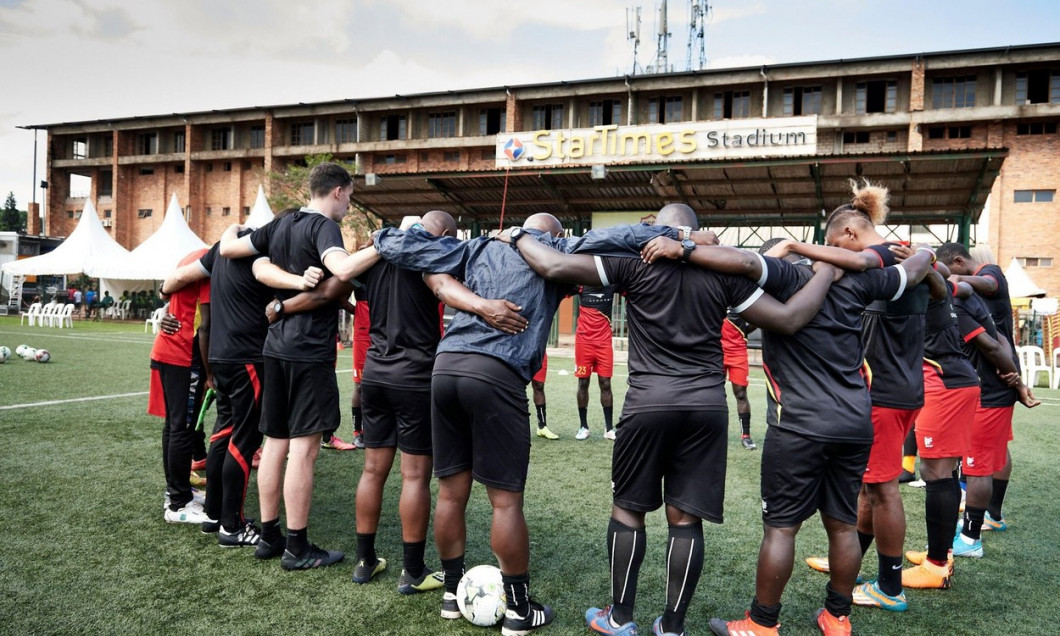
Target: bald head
[544, 222]
[439, 223]
[676, 215]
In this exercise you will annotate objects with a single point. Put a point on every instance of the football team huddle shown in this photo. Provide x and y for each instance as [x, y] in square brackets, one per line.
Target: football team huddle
[864, 340]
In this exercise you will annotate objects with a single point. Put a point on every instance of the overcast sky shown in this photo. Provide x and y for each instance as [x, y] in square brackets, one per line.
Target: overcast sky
[74, 60]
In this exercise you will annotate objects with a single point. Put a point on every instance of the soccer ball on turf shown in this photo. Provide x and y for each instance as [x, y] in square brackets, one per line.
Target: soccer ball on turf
[480, 596]
[19, 349]
[42, 355]
[29, 354]
[5, 353]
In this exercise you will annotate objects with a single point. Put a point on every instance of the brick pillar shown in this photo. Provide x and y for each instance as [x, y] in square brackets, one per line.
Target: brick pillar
[916, 87]
[271, 136]
[512, 116]
[33, 225]
[916, 138]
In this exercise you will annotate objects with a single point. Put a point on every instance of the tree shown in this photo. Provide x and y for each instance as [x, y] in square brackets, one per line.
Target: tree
[11, 219]
[290, 189]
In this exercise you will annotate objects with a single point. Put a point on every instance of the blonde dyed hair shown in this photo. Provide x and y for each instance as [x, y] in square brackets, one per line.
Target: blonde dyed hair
[868, 202]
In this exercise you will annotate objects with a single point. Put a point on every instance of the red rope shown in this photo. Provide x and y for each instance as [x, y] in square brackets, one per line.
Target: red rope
[504, 197]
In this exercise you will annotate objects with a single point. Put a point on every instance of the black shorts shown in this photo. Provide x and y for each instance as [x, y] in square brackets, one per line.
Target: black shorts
[300, 399]
[673, 456]
[801, 476]
[482, 425]
[396, 417]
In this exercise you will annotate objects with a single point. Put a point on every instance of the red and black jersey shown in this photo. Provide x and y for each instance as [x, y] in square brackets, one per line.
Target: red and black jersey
[973, 318]
[816, 377]
[893, 335]
[943, 348]
[999, 304]
[237, 318]
[177, 349]
[594, 313]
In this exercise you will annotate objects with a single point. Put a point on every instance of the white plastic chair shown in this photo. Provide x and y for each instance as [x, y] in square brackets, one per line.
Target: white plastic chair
[1056, 369]
[47, 313]
[33, 314]
[65, 317]
[155, 320]
[123, 309]
[1037, 363]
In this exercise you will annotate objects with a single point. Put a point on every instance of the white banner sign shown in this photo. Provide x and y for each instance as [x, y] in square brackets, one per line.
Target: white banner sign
[660, 143]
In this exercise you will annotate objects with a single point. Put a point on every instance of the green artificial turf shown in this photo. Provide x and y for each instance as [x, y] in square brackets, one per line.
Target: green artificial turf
[85, 549]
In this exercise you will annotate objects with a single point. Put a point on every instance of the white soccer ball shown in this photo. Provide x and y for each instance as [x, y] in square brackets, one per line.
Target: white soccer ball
[42, 355]
[19, 349]
[29, 354]
[480, 596]
[5, 353]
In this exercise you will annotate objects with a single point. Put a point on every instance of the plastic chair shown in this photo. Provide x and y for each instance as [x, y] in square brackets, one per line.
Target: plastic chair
[33, 314]
[123, 309]
[47, 313]
[155, 320]
[66, 316]
[1037, 363]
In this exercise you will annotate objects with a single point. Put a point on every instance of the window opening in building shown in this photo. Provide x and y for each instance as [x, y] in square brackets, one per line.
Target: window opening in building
[392, 128]
[257, 136]
[106, 183]
[221, 138]
[953, 92]
[143, 213]
[607, 112]
[392, 159]
[732, 105]
[1033, 196]
[547, 117]
[178, 141]
[302, 133]
[345, 131]
[441, 124]
[878, 96]
[856, 137]
[802, 100]
[1040, 86]
[147, 143]
[492, 121]
[1036, 128]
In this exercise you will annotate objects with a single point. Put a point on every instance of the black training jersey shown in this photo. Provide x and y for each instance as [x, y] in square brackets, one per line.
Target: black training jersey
[674, 313]
[943, 348]
[404, 327]
[973, 318]
[999, 304]
[893, 335]
[816, 378]
[237, 309]
[296, 242]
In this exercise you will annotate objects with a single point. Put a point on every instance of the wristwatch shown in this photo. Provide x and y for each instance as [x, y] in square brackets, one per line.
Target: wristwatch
[277, 307]
[688, 246]
[516, 234]
[684, 232]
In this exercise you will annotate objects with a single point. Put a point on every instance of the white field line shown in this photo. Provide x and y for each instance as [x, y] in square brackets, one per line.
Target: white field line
[97, 338]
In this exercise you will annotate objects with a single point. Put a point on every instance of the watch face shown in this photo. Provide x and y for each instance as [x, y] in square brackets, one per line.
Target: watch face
[277, 307]
[688, 244]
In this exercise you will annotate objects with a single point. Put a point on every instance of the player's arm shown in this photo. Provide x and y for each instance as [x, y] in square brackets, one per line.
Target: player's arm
[553, 265]
[918, 265]
[346, 267]
[982, 285]
[998, 353]
[938, 286]
[787, 318]
[333, 290]
[234, 246]
[274, 276]
[499, 314]
[853, 261]
[726, 260]
[183, 276]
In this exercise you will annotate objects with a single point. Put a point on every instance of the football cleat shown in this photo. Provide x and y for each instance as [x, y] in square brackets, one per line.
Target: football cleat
[818, 563]
[190, 513]
[538, 616]
[967, 547]
[747, 442]
[248, 535]
[335, 443]
[428, 581]
[906, 477]
[870, 595]
[450, 609]
[256, 460]
[657, 629]
[610, 435]
[199, 464]
[991, 524]
[599, 621]
[363, 573]
[927, 576]
[542, 431]
[583, 433]
[313, 558]
[358, 439]
[196, 480]
[742, 627]
[266, 550]
[831, 625]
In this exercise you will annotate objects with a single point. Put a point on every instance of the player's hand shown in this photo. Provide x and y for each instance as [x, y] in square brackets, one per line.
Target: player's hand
[503, 316]
[901, 252]
[827, 268]
[270, 313]
[170, 325]
[209, 382]
[1012, 379]
[1027, 398]
[408, 221]
[781, 249]
[704, 237]
[311, 277]
[505, 236]
[661, 247]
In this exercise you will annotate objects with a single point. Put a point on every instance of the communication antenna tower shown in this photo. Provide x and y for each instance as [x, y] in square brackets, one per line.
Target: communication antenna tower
[662, 49]
[633, 32]
[698, 11]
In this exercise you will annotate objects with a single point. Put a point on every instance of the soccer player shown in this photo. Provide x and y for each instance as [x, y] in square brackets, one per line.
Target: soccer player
[734, 332]
[816, 453]
[893, 334]
[479, 408]
[671, 441]
[943, 431]
[300, 400]
[593, 354]
[178, 379]
[537, 386]
[989, 282]
[361, 341]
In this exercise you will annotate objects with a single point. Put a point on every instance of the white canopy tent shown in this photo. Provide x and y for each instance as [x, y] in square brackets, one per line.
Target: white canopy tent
[1020, 284]
[88, 249]
[261, 213]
